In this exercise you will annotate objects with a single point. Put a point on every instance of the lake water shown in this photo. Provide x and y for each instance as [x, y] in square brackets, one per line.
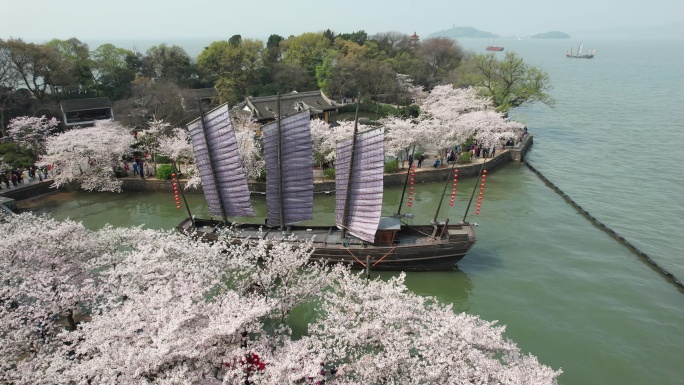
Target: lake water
[568, 293]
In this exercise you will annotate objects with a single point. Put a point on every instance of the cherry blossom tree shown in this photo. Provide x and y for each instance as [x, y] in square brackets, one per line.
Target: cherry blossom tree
[41, 282]
[408, 89]
[31, 132]
[89, 156]
[249, 147]
[156, 129]
[163, 308]
[489, 128]
[325, 138]
[344, 130]
[375, 333]
[401, 136]
[451, 116]
[177, 147]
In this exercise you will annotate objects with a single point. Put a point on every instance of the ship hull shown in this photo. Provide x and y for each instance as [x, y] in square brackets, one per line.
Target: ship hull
[414, 248]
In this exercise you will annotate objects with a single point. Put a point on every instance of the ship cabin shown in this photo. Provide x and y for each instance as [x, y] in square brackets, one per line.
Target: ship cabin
[387, 230]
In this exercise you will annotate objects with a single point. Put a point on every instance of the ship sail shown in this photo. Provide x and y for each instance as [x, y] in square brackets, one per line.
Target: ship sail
[365, 183]
[293, 192]
[216, 151]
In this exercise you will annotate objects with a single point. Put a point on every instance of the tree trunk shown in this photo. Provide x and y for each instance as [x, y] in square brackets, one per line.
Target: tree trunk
[70, 320]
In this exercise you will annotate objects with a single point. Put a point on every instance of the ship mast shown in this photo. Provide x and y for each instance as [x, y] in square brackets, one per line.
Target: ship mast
[211, 160]
[280, 171]
[448, 179]
[401, 201]
[345, 212]
[474, 189]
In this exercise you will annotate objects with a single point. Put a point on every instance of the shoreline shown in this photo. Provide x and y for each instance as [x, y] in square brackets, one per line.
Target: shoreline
[321, 185]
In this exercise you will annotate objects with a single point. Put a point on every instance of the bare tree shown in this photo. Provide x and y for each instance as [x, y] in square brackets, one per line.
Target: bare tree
[392, 42]
[151, 100]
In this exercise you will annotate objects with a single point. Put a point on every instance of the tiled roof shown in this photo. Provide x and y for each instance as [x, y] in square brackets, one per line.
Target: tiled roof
[85, 104]
[198, 93]
[266, 107]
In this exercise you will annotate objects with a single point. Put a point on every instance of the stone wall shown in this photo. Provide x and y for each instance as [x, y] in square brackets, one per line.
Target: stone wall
[25, 190]
[519, 151]
[423, 175]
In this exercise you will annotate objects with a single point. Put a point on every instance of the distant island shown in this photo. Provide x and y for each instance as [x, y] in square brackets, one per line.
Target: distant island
[463, 32]
[551, 35]
[474, 33]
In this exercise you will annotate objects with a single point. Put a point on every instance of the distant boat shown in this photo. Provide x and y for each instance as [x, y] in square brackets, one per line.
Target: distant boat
[579, 54]
[494, 48]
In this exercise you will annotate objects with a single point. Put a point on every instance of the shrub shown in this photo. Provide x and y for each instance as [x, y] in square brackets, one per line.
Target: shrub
[262, 176]
[329, 173]
[391, 166]
[464, 158]
[163, 159]
[120, 173]
[164, 171]
[382, 109]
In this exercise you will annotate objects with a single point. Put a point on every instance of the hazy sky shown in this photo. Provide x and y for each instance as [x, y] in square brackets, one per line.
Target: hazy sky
[159, 19]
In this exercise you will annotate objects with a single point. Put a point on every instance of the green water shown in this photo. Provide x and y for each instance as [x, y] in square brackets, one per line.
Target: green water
[567, 292]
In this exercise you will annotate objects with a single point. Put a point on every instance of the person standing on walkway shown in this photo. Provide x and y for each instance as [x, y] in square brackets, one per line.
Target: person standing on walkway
[135, 168]
[420, 160]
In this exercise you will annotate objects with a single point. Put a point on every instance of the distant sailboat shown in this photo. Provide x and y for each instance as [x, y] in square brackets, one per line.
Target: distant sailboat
[579, 54]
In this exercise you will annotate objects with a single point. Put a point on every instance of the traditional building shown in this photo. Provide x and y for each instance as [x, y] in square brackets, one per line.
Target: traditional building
[264, 109]
[192, 98]
[415, 39]
[84, 112]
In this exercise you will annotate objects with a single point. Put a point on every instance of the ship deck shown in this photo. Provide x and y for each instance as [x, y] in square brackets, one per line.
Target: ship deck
[331, 235]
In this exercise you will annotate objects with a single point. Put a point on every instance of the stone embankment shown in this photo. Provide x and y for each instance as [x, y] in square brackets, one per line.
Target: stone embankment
[424, 174]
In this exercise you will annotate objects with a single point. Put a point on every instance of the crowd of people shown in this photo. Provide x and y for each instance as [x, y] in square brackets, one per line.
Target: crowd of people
[475, 151]
[17, 176]
[139, 168]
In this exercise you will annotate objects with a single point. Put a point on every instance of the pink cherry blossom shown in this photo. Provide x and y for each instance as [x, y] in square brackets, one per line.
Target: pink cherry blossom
[158, 307]
[31, 132]
[89, 156]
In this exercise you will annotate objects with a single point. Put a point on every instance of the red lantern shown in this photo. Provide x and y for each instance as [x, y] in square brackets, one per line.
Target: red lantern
[178, 207]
